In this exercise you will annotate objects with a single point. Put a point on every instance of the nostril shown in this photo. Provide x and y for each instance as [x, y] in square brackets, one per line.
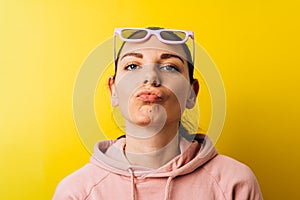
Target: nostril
[156, 83]
[153, 83]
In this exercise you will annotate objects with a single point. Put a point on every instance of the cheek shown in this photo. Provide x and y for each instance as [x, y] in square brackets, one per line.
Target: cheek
[126, 85]
[179, 88]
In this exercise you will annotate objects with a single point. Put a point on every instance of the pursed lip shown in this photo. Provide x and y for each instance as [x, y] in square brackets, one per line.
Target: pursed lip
[151, 96]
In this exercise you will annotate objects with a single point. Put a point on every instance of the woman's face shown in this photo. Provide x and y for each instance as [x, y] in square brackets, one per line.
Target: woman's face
[152, 83]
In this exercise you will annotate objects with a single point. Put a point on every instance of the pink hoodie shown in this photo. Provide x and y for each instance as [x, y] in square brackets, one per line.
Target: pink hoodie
[197, 173]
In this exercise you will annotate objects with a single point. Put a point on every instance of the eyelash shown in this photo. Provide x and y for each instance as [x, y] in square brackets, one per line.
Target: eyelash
[127, 67]
[172, 68]
[132, 67]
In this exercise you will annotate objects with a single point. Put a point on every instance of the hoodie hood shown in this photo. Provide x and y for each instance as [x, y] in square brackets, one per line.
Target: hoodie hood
[194, 153]
[110, 155]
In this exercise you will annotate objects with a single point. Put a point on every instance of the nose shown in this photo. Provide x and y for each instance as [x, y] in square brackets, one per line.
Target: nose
[152, 76]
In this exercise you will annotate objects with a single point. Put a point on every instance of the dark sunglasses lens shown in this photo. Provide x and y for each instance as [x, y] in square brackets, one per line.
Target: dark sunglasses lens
[133, 34]
[173, 35]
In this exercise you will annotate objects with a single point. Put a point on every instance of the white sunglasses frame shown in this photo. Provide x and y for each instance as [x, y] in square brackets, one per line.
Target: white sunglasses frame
[157, 32]
[118, 31]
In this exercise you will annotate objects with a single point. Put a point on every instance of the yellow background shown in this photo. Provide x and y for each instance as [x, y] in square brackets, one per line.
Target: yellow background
[255, 45]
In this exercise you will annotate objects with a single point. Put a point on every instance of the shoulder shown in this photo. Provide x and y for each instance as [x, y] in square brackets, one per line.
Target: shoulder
[223, 164]
[79, 184]
[235, 179]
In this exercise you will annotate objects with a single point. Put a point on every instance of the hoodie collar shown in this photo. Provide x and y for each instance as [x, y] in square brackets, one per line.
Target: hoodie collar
[110, 155]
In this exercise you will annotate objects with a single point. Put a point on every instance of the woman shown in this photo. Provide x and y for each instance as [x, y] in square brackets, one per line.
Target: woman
[153, 84]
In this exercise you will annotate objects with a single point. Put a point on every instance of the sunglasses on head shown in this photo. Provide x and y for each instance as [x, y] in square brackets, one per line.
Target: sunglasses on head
[168, 36]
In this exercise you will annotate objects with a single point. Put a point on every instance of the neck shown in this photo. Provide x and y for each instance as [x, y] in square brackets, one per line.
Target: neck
[155, 150]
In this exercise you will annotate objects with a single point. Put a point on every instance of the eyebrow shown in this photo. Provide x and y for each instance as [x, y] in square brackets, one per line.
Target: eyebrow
[138, 55]
[163, 56]
[167, 55]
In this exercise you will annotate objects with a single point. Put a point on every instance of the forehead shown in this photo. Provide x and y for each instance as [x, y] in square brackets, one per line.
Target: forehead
[153, 43]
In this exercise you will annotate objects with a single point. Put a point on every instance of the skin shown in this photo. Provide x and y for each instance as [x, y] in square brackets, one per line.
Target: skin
[152, 111]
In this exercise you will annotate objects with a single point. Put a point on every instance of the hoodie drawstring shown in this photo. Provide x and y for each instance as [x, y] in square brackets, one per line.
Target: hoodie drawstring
[167, 188]
[132, 184]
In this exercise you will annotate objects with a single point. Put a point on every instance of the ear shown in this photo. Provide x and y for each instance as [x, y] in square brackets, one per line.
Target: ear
[113, 95]
[191, 101]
